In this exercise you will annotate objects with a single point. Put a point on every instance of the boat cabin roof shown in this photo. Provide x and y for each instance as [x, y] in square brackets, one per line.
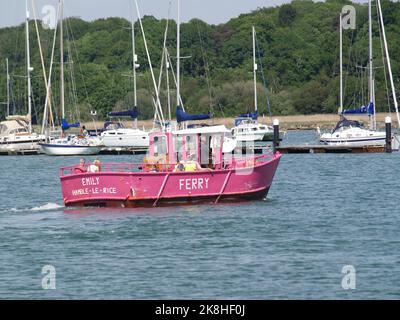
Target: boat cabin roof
[12, 126]
[18, 118]
[344, 122]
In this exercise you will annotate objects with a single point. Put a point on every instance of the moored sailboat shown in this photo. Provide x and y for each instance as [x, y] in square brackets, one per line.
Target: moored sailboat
[71, 144]
[122, 136]
[352, 133]
[247, 127]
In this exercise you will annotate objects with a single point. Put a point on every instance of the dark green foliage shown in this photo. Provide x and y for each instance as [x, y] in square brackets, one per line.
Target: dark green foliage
[298, 48]
[287, 14]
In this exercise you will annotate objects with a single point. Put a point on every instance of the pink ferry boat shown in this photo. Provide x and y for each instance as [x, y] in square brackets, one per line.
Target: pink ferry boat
[182, 167]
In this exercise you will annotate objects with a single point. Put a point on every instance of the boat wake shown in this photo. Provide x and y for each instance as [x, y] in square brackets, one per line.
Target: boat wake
[45, 207]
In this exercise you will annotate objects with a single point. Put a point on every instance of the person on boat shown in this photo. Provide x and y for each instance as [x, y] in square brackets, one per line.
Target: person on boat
[81, 168]
[155, 164]
[190, 165]
[161, 163]
[83, 133]
[179, 167]
[95, 166]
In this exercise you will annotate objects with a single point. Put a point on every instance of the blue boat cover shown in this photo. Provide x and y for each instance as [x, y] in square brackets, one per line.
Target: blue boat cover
[134, 113]
[65, 125]
[182, 116]
[346, 123]
[252, 115]
[363, 110]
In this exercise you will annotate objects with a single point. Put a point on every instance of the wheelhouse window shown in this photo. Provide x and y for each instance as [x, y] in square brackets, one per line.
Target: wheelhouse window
[160, 146]
[191, 144]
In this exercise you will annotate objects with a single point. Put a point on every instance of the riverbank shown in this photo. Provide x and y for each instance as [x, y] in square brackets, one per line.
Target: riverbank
[295, 122]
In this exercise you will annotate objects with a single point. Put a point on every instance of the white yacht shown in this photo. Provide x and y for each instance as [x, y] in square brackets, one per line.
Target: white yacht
[251, 130]
[125, 138]
[15, 135]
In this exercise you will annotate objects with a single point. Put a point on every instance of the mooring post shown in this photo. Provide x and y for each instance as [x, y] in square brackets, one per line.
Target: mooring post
[388, 124]
[276, 134]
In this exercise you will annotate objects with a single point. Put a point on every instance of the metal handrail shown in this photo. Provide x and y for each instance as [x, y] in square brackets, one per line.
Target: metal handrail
[121, 167]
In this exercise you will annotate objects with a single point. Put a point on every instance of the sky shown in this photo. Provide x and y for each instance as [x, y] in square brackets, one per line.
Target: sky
[12, 12]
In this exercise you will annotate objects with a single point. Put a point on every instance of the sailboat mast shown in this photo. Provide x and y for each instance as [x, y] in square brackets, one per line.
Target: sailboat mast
[29, 69]
[178, 58]
[62, 96]
[134, 59]
[255, 70]
[389, 63]
[157, 103]
[167, 77]
[371, 65]
[341, 63]
[8, 89]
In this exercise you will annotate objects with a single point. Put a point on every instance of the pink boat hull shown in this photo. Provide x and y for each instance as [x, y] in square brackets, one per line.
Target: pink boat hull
[134, 189]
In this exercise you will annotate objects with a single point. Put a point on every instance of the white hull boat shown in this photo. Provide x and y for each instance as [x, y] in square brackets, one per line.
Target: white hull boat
[15, 135]
[64, 150]
[252, 131]
[127, 138]
[21, 142]
[358, 137]
[72, 147]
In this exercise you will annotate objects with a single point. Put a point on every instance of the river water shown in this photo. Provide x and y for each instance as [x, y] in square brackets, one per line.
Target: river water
[323, 212]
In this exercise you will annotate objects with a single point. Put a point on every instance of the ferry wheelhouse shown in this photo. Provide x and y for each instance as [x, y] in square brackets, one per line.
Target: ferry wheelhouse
[181, 167]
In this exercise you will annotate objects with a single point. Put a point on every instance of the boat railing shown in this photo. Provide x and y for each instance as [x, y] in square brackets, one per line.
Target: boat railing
[115, 167]
[104, 167]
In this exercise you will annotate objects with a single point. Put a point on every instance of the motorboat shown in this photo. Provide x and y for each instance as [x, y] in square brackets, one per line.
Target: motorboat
[15, 135]
[119, 136]
[247, 129]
